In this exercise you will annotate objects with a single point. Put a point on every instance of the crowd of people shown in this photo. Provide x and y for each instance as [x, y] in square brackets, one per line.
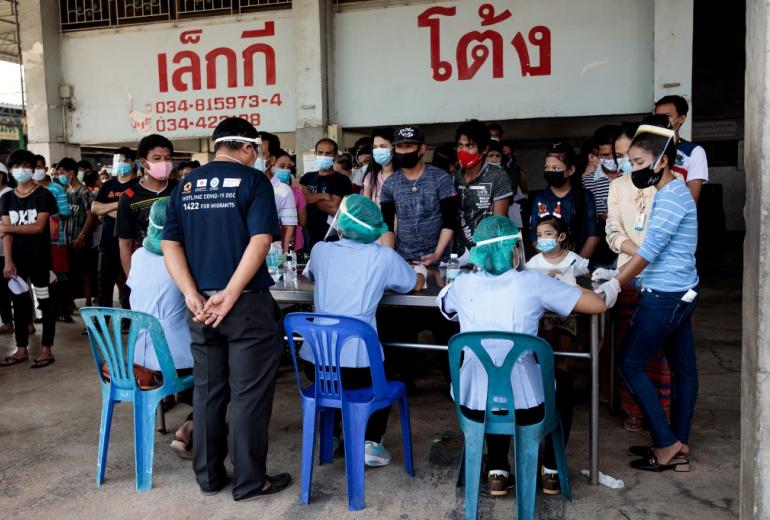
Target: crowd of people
[188, 244]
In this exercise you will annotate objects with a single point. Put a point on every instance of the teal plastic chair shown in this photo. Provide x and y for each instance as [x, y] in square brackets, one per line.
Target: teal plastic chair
[500, 418]
[117, 351]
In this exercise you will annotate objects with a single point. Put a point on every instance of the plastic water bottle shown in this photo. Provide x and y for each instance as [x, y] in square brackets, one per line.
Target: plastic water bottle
[273, 262]
[452, 268]
[290, 266]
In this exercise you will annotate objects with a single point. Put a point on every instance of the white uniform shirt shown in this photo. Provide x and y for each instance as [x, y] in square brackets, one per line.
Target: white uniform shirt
[154, 292]
[284, 203]
[539, 263]
[691, 161]
[350, 279]
[512, 302]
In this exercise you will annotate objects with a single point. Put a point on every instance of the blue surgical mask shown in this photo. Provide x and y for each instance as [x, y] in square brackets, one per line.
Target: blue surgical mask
[323, 162]
[546, 245]
[624, 165]
[64, 180]
[22, 175]
[382, 156]
[499, 165]
[259, 164]
[123, 169]
[283, 174]
[81, 175]
[138, 164]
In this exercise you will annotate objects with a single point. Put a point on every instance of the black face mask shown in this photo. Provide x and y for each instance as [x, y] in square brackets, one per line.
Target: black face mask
[555, 179]
[406, 160]
[646, 177]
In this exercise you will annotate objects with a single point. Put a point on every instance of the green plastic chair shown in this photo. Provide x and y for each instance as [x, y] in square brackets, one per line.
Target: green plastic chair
[109, 346]
[500, 417]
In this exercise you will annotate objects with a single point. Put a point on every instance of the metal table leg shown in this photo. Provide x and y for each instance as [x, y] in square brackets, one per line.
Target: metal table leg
[593, 429]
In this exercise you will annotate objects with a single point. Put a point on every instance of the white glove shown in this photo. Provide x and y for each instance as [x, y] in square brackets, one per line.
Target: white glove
[603, 274]
[421, 269]
[609, 290]
[580, 268]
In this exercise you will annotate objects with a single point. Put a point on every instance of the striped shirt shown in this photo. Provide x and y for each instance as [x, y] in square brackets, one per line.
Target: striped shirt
[672, 237]
[599, 186]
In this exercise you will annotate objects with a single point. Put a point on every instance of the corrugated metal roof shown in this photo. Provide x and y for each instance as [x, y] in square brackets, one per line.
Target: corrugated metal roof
[9, 43]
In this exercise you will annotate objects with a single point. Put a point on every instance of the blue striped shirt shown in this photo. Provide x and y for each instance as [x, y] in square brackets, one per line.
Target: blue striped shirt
[671, 240]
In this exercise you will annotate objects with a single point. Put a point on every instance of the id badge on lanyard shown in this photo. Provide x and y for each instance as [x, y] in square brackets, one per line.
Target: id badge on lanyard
[639, 223]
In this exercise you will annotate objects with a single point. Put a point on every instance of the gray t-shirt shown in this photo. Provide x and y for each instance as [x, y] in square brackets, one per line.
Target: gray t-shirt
[418, 211]
[477, 199]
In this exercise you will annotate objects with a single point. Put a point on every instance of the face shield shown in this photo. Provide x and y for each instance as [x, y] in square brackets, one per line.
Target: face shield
[121, 166]
[256, 143]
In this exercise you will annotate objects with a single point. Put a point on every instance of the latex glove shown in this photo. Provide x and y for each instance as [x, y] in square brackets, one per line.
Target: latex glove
[421, 269]
[603, 274]
[610, 291]
[580, 268]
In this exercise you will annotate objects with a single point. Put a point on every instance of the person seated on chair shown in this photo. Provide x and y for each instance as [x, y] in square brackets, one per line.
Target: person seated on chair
[350, 278]
[154, 292]
[499, 297]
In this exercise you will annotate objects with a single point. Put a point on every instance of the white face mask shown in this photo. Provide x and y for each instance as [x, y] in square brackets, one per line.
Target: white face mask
[39, 175]
[610, 165]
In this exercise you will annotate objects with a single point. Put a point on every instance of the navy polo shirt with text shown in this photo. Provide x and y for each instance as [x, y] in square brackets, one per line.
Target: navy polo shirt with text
[213, 213]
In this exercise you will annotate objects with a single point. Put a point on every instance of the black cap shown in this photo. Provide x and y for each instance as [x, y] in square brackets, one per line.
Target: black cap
[409, 134]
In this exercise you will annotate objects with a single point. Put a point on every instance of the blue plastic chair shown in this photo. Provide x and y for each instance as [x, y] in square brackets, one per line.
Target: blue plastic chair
[500, 417]
[326, 334]
[109, 346]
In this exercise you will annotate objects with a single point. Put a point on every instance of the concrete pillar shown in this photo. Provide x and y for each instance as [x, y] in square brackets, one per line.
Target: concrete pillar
[755, 365]
[672, 72]
[313, 26]
[39, 29]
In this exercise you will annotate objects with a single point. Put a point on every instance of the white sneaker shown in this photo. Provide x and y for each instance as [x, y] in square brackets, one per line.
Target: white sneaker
[375, 454]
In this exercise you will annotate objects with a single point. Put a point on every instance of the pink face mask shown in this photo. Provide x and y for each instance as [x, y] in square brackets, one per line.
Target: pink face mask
[159, 170]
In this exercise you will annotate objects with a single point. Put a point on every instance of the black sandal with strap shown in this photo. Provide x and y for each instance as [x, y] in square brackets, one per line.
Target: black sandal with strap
[650, 463]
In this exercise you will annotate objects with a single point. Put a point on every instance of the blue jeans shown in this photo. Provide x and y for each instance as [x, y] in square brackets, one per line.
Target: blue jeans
[662, 320]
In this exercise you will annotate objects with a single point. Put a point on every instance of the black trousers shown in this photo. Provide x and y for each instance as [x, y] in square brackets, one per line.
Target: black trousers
[353, 378]
[37, 274]
[236, 363]
[498, 446]
[5, 298]
[109, 272]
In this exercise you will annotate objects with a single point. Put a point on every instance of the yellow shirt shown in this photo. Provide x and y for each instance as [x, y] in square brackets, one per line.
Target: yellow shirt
[625, 204]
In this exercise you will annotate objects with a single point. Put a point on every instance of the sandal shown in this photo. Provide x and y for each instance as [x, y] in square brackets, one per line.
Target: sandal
[10, 361]
[42, 363]
[642, 451]
[184, 451]
[633, 424]
[650, 463]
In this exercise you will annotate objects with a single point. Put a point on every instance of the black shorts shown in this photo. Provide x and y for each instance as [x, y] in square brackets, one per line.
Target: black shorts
[83, 261]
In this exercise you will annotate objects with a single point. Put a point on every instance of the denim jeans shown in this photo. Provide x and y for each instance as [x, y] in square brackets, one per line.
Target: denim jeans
[662, 320]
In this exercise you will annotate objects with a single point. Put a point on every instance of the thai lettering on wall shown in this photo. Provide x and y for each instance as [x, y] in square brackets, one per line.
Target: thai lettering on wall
[184, 80]
[492, 59]
[476, 47]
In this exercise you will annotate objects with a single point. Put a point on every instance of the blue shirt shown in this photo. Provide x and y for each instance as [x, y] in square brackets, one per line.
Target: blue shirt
[350, 279]
[579, 215]
[154, 292]
[418, 212]
[213, 213]
[671, 240]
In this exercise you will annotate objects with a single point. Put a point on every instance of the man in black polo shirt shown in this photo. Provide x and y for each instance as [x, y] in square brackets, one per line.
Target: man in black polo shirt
[155, 153]
[106, 205]
[220, 223]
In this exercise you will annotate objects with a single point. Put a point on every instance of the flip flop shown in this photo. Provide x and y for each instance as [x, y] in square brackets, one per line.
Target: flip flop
[633, 424]
[42, 363]
[10, 361]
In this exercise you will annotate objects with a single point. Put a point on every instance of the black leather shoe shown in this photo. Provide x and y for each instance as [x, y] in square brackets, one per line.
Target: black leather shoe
[278, 483]
[217, 489]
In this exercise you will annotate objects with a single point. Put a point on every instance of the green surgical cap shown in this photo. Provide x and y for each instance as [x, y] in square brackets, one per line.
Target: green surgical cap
[155, 229]
[360, 219]
[495, 238]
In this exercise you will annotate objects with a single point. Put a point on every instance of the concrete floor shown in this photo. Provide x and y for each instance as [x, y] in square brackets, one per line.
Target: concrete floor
[49, 422]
